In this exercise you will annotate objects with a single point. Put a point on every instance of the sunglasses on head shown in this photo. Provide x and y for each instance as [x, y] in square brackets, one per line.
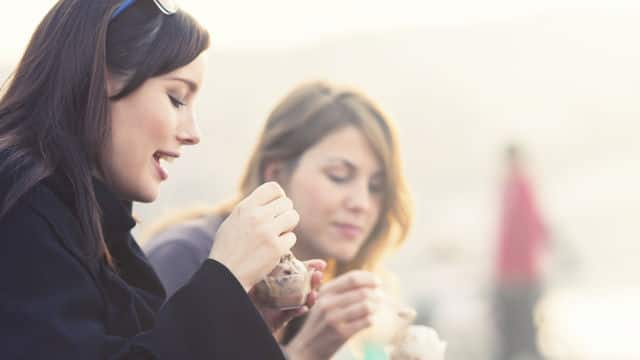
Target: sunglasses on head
[167, 7]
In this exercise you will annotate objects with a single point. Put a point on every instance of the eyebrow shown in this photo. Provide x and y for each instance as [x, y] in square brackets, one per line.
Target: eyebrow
[193, 87]
[351, 166]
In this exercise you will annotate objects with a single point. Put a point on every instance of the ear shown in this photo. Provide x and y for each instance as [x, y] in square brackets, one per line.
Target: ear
[274, 171]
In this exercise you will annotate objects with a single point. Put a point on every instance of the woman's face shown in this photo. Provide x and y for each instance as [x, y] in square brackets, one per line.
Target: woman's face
[148, 128]
[337, 189]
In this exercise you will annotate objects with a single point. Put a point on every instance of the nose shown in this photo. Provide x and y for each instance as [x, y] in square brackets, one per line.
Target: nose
[189, 133]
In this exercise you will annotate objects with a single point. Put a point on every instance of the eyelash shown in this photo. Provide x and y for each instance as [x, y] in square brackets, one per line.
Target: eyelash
[175, 102]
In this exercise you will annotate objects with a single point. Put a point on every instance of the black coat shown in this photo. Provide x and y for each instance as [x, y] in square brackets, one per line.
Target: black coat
[57, 304]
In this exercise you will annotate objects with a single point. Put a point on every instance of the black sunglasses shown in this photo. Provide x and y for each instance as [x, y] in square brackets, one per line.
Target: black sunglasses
[167, 7]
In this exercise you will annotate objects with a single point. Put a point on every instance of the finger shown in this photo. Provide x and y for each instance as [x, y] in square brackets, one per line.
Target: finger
[353, 327]
[285, 316]
[354, 312]
[316, 279]
[277, 207]
[299, 312]
[344, 299]
[351, 280]
[316, 264]
[286, 242]
[312, 298]
[266, 193]
[286, 221]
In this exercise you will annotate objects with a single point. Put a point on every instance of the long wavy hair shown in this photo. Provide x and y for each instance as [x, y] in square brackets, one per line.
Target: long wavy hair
[54, 108]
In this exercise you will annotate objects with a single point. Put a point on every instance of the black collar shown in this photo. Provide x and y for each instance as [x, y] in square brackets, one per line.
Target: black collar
[116, 213]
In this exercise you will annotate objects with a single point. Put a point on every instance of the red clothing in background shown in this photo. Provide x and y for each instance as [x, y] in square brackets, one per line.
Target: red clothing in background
[521, 232]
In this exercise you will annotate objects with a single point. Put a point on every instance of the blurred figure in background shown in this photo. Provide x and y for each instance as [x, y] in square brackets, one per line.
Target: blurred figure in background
[336, 155]
[521, 240]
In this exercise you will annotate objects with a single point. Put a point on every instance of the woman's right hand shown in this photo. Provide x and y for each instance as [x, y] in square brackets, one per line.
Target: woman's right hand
[256, 234]
[345, 306]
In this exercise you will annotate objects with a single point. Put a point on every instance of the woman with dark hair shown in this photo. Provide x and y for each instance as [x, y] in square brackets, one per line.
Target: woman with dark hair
[102, 97]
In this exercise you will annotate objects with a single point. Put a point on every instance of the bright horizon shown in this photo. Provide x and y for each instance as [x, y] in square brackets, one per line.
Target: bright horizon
[250, 24]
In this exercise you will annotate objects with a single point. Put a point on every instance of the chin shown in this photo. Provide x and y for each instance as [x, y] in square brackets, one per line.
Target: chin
[145, 194]
[344, 254]
[147, 198]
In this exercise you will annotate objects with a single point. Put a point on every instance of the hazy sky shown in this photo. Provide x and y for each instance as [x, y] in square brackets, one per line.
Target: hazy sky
[283, 23]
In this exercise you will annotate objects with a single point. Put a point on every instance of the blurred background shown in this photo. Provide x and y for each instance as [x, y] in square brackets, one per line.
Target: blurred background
[462, 79]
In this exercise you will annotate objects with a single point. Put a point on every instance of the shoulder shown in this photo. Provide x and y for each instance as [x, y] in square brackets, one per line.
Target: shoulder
[195, 235]
[40, 223]
[36, 251]
[38, 214]
[24, 222]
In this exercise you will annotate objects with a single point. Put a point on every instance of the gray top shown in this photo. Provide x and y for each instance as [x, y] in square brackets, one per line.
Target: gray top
[177, 252]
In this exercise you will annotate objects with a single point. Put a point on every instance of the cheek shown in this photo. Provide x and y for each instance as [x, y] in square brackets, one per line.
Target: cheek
[376, 209]
[141, 132]
[137, 131]
[154, 124]
[374, 217]
[314, 199]
[143, 115]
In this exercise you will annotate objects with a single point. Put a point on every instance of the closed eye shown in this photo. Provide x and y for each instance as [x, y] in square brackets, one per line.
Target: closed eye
[175, 102]
[338, 179]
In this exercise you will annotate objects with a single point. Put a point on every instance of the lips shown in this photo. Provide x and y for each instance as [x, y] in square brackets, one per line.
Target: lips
[161, 159]
[348, 230]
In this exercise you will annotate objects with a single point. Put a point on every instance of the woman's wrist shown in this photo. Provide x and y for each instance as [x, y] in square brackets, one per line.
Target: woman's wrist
[295, 352]
[232, 271]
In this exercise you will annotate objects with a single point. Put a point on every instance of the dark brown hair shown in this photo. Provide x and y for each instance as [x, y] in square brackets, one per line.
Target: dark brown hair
[54, 110]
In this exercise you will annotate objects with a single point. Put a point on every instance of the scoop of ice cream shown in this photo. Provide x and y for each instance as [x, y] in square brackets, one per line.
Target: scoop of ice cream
[419, 343]
[288, 265]
[286, 286]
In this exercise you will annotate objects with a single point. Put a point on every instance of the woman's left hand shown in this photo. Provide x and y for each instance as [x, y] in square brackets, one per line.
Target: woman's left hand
[276, 318]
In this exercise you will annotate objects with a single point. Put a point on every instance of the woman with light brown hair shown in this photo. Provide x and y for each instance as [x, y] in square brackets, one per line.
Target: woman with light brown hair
[336, 156]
